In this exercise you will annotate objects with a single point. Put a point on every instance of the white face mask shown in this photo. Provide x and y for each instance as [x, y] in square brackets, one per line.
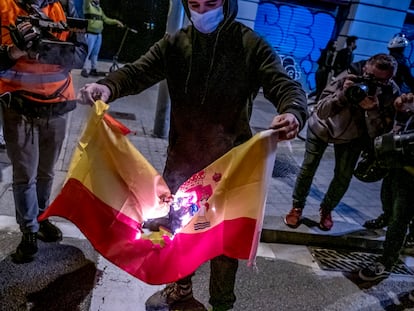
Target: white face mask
[208, 21]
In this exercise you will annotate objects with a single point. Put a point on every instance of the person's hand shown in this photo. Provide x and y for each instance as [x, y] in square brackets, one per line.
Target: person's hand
[120, 24]
[92, 92]
[286, 125]
[369, 103]
[22, 36]
[349, 80]
[15, 53]
[405, 102]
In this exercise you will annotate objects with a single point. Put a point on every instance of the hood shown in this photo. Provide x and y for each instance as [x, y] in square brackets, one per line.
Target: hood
[230, 8]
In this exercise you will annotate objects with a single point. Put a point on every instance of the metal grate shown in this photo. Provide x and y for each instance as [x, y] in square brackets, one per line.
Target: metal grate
[123, 115]
[350, 261]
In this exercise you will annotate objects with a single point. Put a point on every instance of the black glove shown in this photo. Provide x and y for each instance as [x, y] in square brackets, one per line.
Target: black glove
[24, 35]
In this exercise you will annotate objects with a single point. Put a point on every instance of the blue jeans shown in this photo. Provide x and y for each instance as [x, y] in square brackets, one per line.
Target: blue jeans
[94, 46]
[346, 157]
[33, 146]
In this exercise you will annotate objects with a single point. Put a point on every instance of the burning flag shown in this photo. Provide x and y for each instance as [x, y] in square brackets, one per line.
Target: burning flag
[112, 190]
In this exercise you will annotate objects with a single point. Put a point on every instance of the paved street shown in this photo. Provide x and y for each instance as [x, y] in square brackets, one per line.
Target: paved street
[290, 273]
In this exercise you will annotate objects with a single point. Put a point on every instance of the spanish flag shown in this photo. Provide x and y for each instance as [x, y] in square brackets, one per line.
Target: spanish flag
[111, 190]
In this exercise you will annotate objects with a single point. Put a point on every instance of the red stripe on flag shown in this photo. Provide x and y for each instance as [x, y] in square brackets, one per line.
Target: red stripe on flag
[115, 124]
[116, 237]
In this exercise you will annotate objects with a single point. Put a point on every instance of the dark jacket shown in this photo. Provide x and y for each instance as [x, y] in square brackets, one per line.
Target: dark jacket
[212, 80]
[343, 60]
[403, 77]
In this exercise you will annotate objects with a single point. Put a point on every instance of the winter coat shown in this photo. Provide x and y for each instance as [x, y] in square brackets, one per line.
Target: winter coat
[337, 120]
[212, 81]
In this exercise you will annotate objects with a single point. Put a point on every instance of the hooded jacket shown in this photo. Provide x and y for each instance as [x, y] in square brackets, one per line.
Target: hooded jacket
[212, 80]
[336, 120]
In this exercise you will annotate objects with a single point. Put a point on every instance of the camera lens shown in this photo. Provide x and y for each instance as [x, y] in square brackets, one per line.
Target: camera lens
[356, 93]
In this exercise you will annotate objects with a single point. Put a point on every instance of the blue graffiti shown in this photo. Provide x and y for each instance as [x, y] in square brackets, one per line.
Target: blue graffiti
[298, 34]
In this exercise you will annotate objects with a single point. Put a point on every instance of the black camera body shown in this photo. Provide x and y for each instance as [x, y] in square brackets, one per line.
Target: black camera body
[46, 47]
[363, 87]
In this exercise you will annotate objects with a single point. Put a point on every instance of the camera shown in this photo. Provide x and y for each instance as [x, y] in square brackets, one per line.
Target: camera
[46, 47]
[395, 144]
[363, 87]
[44, 29]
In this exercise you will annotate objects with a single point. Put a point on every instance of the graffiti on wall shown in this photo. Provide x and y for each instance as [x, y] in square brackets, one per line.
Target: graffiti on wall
[298, 34]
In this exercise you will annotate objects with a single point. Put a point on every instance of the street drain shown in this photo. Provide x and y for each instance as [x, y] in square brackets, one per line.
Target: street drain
[122, 115]
[350, 261]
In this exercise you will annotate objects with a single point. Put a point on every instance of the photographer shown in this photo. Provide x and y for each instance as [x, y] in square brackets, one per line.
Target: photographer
[37, 53]
[353, 109]
[396, 152]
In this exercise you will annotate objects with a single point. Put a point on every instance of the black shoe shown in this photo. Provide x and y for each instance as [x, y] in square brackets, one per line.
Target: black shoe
[373, 272]
[94, 73]
[377, 223]
[172, 294]
[49, 232]
[26, 250]
[84, 73]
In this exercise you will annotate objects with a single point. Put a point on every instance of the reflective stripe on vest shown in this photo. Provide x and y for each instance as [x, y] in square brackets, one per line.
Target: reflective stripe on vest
[29, 75]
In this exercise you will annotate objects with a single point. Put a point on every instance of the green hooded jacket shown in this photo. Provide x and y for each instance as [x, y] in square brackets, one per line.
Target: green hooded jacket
[212, 81]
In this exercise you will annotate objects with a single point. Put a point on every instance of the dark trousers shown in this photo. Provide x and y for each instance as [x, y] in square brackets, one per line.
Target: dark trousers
[397, 193]
[223, 271]
[346, 157]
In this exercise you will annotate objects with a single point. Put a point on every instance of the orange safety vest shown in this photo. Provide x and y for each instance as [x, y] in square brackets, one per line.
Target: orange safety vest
[28, 75]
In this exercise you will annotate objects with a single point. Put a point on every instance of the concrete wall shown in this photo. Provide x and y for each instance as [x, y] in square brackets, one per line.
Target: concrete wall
[375, 22]
[247, 12]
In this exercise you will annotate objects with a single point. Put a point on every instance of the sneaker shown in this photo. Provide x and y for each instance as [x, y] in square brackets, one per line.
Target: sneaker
[84, 73]
[326, 221]
[293, 218]
[172, 294]
[411, 295]
[26, 250]
[378, 223]
[373, 272]
[94, 73]
[49, 232]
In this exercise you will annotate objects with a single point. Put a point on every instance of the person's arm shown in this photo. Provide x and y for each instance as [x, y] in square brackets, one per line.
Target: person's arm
[111, 21]
[286, 94]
